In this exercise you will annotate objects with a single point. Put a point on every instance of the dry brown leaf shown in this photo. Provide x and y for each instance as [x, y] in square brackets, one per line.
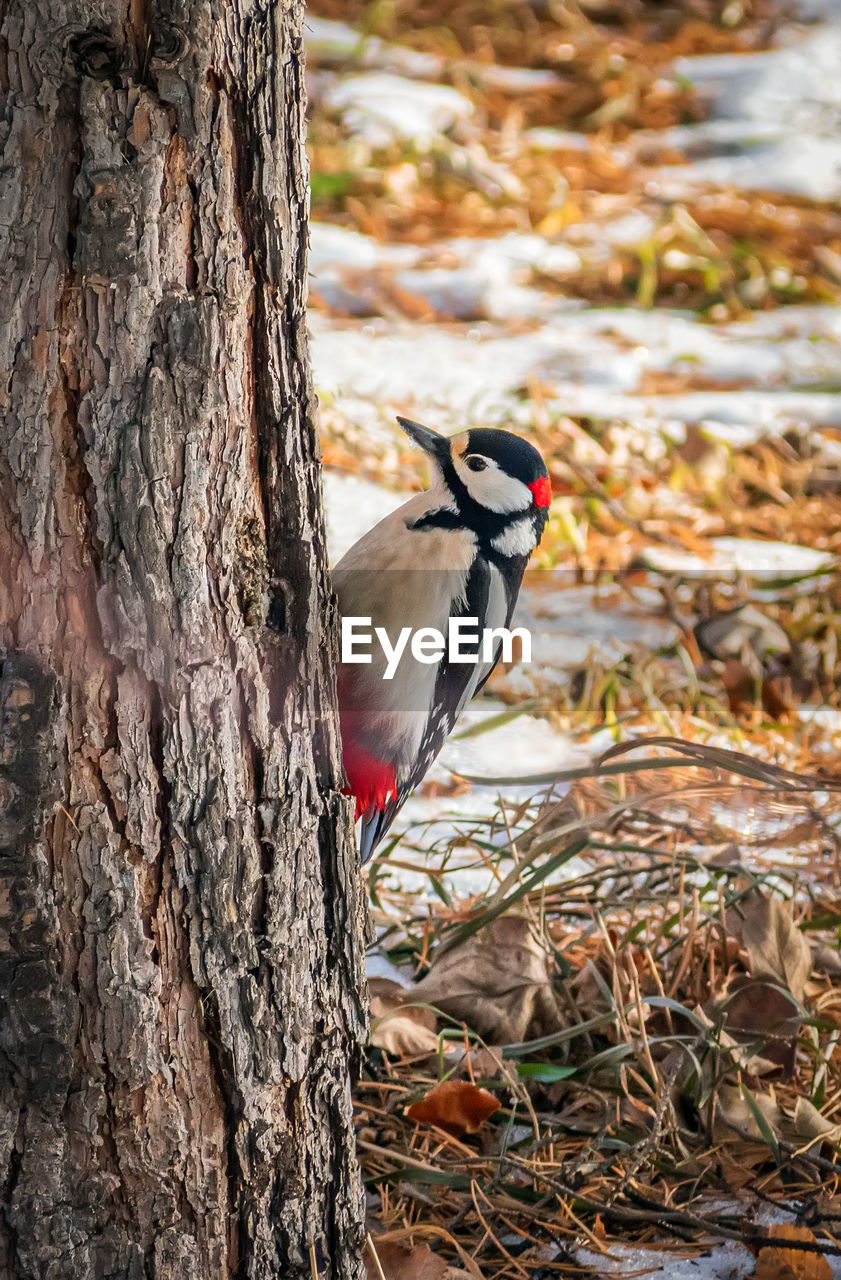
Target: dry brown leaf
[499, 982]
[733, 1112]
[778, 1263]
[399, 1026]
[386, 990]
[404, 1262]
[775, 946]
[405, 1237]
[588, 992]
[762, 1015]
[804, 1129]
[488, 1062]
[825, 959]
[810, 1124]
[404, 1033]
[456, 1106]
[745, 630]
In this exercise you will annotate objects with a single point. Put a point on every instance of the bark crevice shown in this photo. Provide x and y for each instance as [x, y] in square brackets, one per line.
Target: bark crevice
[181, 917]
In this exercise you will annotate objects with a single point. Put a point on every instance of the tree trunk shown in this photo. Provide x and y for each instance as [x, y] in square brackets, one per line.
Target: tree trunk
[180, 908]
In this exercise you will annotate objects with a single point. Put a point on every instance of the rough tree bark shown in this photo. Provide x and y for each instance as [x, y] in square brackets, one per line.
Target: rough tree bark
[180, 909]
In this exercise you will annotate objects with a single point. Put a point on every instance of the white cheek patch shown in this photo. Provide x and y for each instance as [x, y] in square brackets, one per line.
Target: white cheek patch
[494, 489]
[517, 540]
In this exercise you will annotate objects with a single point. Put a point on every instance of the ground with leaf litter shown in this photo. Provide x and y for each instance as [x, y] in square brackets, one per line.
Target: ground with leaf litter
[606, 985]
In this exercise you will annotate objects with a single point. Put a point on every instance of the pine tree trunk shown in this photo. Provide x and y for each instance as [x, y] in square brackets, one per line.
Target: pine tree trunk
[180, 908]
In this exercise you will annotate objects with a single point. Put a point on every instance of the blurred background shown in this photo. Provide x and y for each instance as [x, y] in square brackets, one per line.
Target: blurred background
[612, 226]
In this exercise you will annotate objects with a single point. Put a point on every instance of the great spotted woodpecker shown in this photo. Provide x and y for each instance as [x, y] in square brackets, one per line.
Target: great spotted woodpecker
[456, 551]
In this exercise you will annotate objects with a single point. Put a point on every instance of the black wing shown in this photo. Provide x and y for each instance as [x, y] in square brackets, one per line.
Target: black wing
[489, 596]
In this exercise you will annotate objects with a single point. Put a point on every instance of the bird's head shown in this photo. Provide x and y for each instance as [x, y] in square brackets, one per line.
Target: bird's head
[487, 470]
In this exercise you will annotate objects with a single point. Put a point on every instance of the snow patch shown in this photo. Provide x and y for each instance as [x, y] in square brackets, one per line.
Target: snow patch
[382, 108]
[740, 555]
[353, 506]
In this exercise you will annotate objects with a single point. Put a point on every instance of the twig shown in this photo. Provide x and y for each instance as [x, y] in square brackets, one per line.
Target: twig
[369, 1240]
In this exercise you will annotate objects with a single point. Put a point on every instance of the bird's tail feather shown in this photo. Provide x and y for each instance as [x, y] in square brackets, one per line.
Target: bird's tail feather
[373, 827]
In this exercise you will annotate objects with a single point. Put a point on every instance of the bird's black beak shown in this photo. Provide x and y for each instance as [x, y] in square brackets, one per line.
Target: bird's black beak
[437, 446]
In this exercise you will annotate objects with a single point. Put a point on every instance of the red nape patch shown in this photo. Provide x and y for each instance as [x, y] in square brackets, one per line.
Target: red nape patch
[542, 490]
[370, 780]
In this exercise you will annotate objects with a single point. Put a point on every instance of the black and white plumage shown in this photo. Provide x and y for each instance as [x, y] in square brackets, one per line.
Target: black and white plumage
[456, 551]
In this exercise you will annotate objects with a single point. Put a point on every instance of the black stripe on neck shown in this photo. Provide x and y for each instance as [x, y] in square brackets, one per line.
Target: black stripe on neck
[438, 518]
[485, 525]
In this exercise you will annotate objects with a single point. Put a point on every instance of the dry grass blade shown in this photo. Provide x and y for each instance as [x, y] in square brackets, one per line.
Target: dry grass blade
[547, 847]
[719, 759]
[680, 988]
[380, 1274]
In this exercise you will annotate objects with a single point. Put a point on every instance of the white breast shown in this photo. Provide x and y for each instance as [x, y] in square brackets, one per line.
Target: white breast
[401, 577]
[517, 540]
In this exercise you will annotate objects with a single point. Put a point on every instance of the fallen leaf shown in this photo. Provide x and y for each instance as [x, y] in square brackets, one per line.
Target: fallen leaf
[775, 1262]
[781, 696]
[403, 1262]
[810, 1124]
[488, 1062]
[398, 1025]
[826, 959]
[740, 632]
[733, 1111]
[391, 1249]
[498, 982]
[404, 1033]
[778, 695]
[726, 857]
[591, 994]
[763, 1015]
[386, 990]
[456, 1106]
[775, 946]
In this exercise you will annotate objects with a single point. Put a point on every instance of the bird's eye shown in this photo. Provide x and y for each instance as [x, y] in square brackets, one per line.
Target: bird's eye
[476, 464]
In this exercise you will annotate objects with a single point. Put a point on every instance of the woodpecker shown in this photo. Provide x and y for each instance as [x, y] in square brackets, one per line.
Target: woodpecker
[458, 550]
